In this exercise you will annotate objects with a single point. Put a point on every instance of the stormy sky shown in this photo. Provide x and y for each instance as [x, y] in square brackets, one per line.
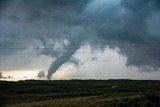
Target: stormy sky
[81, 39]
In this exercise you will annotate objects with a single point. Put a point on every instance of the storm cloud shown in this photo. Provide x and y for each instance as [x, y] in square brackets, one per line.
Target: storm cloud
[58, 28]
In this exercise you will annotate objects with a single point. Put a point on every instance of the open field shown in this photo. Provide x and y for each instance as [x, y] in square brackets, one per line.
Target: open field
[80, 93]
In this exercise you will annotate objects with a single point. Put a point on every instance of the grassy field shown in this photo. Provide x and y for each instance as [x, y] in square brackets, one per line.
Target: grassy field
[80, 93]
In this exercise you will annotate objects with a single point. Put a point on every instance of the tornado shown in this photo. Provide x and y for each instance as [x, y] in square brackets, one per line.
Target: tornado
[62, 59]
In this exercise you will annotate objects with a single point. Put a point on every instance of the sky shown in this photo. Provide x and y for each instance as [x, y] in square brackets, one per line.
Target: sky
[79, 39]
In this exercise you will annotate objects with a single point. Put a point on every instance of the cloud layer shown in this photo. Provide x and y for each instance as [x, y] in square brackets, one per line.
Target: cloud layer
[58, 28]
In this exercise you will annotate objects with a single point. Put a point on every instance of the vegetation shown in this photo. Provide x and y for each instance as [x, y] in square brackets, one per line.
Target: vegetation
[80, 93]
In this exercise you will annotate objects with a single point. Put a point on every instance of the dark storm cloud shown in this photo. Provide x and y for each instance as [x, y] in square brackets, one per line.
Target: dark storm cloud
[1, 76]
[126, 23]
[41, 74]
[131, 25]
[2, 4]
[49, 21]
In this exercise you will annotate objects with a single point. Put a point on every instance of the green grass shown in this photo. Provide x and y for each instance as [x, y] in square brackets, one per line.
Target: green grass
[80, 93]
